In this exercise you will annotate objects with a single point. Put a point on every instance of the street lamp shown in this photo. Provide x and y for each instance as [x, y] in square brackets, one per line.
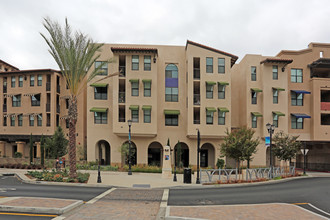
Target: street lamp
[198, 151]
[129, 147]
[174, 153]
[270, 129]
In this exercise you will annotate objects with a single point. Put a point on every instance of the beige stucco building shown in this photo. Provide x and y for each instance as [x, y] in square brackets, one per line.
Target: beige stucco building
[169, 92]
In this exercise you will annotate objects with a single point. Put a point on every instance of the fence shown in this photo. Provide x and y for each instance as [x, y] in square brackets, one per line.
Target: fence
[213, 175]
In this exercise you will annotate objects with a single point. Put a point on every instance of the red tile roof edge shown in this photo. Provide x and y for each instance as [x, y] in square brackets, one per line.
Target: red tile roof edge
[8, 64]
[33, 70]
[280, 60]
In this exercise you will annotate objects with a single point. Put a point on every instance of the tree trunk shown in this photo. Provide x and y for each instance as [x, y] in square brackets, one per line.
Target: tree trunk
[72, 135]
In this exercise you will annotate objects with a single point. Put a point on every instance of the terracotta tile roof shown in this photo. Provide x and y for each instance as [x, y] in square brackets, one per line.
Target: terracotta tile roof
[1, 61]
[29, 71]
[276, 60]
[133, 49]
[233, 57]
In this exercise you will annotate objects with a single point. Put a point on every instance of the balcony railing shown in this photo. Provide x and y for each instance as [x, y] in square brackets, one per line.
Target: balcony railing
[197, 74]
[48, 86]
[197, 122]
[47, 107]
[35, 103]
[5, 89]
[58, 108]
[4, 108]
[325, 106]
[121, 119]
[197, 99]
[121, 97]
[48, 124]
[122, 70]
[58, 89]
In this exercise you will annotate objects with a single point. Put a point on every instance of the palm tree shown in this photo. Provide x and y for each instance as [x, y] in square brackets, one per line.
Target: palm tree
[75, 53]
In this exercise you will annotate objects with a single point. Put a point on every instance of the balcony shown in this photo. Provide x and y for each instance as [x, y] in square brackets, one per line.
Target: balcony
[197, 122]
[35, 103]
[325, 106]
[48, 124]
[197, 99]
[47, 107]
[121, 120]
[58, 89]
[121, 97]
[58, 108]
[4, 108]
[197, 74]
[48, 86]
[122, 71]
[4, 89]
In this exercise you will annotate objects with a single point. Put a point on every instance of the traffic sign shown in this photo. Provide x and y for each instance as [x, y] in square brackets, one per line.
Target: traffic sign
[304, 151]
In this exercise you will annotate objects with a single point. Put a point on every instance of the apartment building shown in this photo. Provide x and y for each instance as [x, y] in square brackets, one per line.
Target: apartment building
[34, 102]
[168, 92]
[290, 91]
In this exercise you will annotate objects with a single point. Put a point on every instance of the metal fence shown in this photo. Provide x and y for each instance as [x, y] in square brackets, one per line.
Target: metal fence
[213, 175]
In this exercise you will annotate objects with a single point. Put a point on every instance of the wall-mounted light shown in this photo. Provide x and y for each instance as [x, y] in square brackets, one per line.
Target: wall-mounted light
[154, 59]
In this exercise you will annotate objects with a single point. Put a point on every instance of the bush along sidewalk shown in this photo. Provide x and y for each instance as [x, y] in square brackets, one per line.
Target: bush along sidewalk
[58, 176]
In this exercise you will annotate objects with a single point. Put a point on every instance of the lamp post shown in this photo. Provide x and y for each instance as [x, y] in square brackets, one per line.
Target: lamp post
[270, 129]
[98, 168]
[174, 153]
[305, 158]
[198, 151]
[129, 147]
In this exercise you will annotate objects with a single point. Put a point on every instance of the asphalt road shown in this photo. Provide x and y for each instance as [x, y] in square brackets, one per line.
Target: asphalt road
[22, 216]
[11, 186]
[315, 191]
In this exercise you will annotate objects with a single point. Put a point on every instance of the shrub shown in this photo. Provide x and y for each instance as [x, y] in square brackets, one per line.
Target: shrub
[18, 155]
[70, 180]
[220, 163]
[82, 177]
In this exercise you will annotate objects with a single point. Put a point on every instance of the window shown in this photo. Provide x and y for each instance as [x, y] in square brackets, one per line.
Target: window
[275, 72]
[39, 80]
[147, 63]
[100, 93]
[171, 83]
[221, 118]
[31, 80]
[221, 91]
[254, 121]
[20, 81]
[297, 99]
[12, 121]
[16, 101]
[39, 120]
[135, 88]
[31, 121]
[275, 120]
[209, 91]
[147, 116]
[67, 103]
[147, 89]
[13, 81]
[67, 123]
[100, 117]
[253, 73]
[297, 123]
[254, 97]
[135, 62]
[221, 65]
[20, 120]
[135, 115]
[171, 120]
[35, 100]
[275, 96]
[5, 121]
[209, 117]
[103, 66]
[209, 64]
[296, 75]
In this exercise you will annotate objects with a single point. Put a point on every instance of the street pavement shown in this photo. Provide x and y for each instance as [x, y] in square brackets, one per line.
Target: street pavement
[157, 202]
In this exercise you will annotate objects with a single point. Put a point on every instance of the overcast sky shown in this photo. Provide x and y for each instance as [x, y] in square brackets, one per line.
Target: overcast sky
[239, 26]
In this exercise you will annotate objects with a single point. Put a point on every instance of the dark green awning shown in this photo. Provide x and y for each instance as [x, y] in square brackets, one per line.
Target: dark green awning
[256, 90]
[257, 114]
[134, 107]
[223, 83]
[278, 89]
[223, 109]
[172, 112]
[134, 80]
[95, 109]
[211, 109]
[210, 83]
[146, 80]
[146, 107]
[278, 113]
[99, 84]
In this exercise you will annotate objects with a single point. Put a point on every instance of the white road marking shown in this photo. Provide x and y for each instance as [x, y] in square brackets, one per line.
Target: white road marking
[164, 198]
[320, 210]
[100, 196]
[7, 189]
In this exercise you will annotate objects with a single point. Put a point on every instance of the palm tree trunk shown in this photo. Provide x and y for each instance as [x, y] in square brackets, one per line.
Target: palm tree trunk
[72, 135]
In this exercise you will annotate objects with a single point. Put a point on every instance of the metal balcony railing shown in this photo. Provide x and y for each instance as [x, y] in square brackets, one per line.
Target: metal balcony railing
[197, 74]
[48, 86]
[4, 89]
[197, 99]
[197, 122]
[121, 120]
[58, 109]
[122, 71]
[121, 97]
[58, 89]
[47, 107]
[4, 108]
[35, 103]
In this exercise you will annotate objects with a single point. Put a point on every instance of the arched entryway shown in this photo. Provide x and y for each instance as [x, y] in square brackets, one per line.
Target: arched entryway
[155, 154]
[125, 151]
[207, 155]
[181, 154]
[103, 152]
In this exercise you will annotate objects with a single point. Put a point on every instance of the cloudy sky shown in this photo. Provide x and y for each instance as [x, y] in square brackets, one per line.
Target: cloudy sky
[238, 26]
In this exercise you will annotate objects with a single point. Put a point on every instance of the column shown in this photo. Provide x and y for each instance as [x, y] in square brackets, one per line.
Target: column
[2, 148]
[38, 149]
[20, 147]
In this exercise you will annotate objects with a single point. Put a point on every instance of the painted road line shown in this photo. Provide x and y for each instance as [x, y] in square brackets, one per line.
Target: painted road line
[320, 210]
[164, 198]
[300, 203]
[100, 196]
[311, 212]
[27, 214]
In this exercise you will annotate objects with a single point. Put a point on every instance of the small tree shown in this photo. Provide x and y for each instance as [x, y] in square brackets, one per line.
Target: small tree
[42, 151]
[239, 145]
[31, 149]
[285, 146]
[178, 155]
[57, 144]
[124, 150]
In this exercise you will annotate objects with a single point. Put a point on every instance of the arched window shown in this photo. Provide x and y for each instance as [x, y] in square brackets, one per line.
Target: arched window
[171, 83]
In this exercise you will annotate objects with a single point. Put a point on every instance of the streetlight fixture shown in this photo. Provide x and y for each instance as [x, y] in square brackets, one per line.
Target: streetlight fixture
[198, 154]
[129, 147]
[270, 129]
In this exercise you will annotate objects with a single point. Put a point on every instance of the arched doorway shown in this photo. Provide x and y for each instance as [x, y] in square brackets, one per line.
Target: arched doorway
[207, 155]
[155, 154]
[103, 151]
[181, 154]
[125, 150]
